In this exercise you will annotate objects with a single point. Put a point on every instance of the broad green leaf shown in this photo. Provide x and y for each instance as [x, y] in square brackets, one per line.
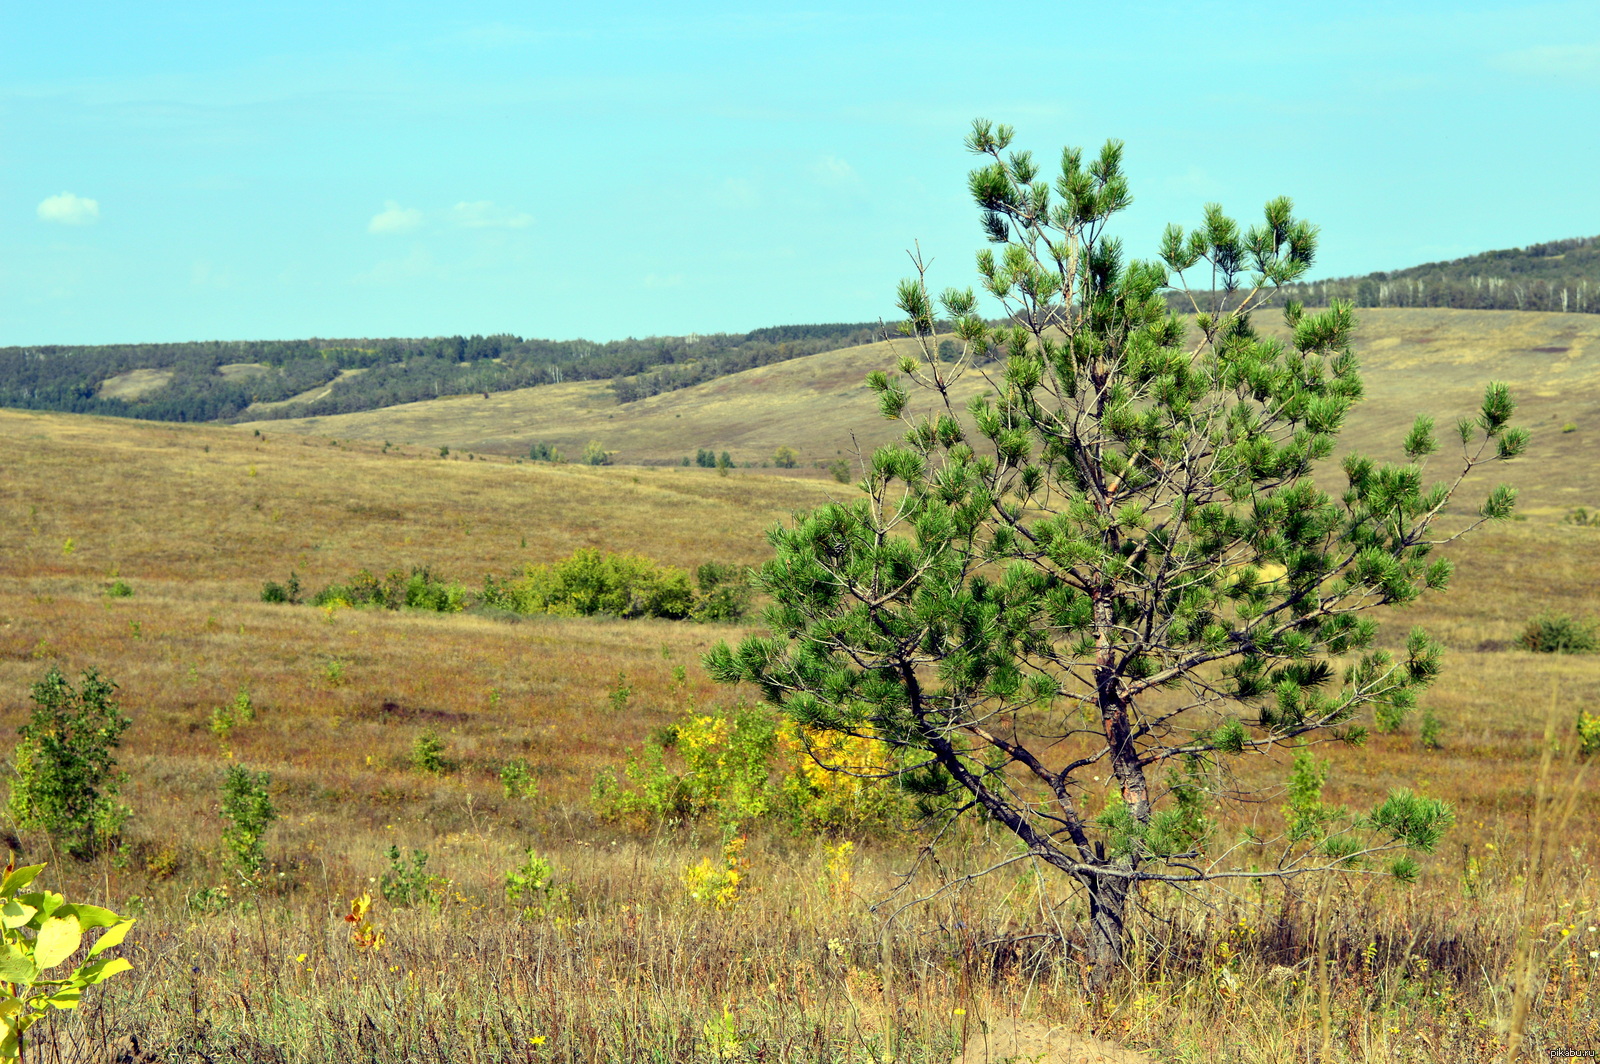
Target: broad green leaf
[100, 971]
[90, 915]
[47, 902]
[9, 1006]
[59, 938]
[15, 914]
[112, 937]
[17, 967]
[65, 998]
[18, 879]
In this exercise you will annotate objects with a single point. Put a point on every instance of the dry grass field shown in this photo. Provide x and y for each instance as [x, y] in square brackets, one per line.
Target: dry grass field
[619, 963]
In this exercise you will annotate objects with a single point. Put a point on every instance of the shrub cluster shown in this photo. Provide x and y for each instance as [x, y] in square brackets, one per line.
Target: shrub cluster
[740, 766]
[1559, 633]
[592, 581]
[418, 590]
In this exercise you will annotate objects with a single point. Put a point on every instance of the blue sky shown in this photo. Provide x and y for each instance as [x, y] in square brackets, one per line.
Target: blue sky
[187, 171]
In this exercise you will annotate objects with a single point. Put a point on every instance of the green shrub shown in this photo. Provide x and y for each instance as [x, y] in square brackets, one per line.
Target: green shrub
[397, 589]
[593, 581]
[516, 777]
[724, 592]
[1559, 633]
[247, 807]
[544, 452]
[271, 591]
[841, 471]
[532, 880]
[1588, 733]
[785, 457]
[406, 883]
[226, 718]
[1571, 426]
[705, 459]
[119, 589]
[427, 754]
[1583, 517]
[726, 764]
[65, 778]
[594, 453]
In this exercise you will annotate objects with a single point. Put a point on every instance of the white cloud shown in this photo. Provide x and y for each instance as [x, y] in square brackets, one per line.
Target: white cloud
[663, 280]
[395, 219]
[834, 172]
[1560, 60]
[484, 214]
[67, 209]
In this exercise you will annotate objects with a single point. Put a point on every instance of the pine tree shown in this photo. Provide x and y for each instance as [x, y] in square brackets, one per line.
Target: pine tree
[1115, 562]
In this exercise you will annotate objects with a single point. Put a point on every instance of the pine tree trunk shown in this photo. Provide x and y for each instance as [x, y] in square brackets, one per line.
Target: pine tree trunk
[1108, 907]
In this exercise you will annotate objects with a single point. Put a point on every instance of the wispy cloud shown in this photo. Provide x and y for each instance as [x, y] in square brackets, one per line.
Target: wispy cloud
[486, 214]
[663, 280]
[834, 172]
[67, 209]
[1555, 60]
[394, 219]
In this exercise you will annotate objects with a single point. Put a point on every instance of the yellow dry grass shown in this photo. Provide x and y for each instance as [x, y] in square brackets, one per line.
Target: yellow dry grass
[194, 519]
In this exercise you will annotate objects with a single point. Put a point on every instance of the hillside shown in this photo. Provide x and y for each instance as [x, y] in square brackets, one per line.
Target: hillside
[1433, 360]
[218, 381]
[1561, 276]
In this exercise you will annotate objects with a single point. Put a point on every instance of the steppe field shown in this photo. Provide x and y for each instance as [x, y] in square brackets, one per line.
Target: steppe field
[616, 953]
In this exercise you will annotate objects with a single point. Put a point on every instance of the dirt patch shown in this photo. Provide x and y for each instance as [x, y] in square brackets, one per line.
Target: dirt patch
[395, 713]
[1552, 350]
[1025, 1040]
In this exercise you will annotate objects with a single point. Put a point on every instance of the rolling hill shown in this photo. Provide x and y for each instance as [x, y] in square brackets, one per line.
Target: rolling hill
[1428, 360]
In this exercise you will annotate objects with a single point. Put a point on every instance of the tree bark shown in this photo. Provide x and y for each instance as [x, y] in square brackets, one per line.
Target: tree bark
[1108, 909]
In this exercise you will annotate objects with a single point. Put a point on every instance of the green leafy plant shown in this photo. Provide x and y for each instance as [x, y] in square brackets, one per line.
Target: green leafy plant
[839, 469]
[595, 454]
[532, 884]
[727, 763]
[119, 589]
[409, 881]
[65, 778]
[1559, 633]
[42, 930]
[226, 718]
[247, 807]
[785, 457]
[1588, 733]
[516, 778]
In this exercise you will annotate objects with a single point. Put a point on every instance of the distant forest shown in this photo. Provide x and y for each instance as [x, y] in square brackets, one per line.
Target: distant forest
[1561, 276]
[217, 381]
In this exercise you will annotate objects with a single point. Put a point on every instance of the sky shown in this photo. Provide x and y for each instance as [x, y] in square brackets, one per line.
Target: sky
[174, 171]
